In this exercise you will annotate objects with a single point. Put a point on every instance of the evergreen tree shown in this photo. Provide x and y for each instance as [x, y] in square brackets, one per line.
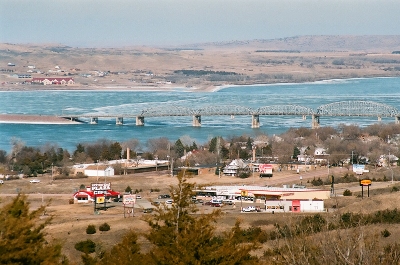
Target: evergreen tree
[179, 148]
[296, 152]
[126, 252]
[179, 237]
[213, 145]
[21, 236]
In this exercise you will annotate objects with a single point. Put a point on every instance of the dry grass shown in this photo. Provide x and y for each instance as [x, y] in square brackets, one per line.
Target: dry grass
[69, 221]
[314, 62]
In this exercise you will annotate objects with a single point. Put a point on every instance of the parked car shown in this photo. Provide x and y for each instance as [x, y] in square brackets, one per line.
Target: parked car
[1, 181]
[148, 210]
[207, 203]
[227, 202]
[164, 196]
[117, 199]
[34, 181]
[215, 205]
[138, 197]
[169, 201]
[249, 209]
[155, 203]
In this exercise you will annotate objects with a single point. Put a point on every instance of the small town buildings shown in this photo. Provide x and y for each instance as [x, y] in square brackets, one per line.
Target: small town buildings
[86, 196]
[275, 199]
[21, 76]
[53, 81]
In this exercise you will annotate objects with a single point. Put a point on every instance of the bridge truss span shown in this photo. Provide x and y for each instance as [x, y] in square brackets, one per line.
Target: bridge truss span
[224, 110]
[284, 110]
[357, 108]
[342, 108]
[166, 110]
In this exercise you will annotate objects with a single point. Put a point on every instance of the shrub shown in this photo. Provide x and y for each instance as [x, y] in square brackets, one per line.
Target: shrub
[104, 227]
[244, 175]
[385, 233]
[87, 246]
[317, 182]
[91, 229]
[347, 193]
[394, 189]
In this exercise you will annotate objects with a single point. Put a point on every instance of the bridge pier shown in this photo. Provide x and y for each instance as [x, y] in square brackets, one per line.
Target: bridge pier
[315, 121]
[196, 120]
[304, 117]
[139, 121]
[397, 119]
[255, 121]
[379, 118]
[94, 120]
[119, 121]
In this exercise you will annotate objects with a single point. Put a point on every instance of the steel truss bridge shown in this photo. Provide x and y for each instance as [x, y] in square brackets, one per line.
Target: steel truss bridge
[343, 108]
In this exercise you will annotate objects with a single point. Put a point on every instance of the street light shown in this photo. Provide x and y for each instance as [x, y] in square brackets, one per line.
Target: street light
[97, 169]
[391, 170]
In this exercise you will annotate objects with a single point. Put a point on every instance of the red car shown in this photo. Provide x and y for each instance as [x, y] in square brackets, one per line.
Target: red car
[215, 205]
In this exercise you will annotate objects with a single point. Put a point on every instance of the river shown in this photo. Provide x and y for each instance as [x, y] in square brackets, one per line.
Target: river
[57, 102]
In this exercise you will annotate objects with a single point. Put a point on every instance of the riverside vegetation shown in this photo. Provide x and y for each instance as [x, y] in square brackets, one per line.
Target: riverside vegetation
[345, 144]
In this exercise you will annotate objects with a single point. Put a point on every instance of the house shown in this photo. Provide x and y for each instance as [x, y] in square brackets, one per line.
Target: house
[320, 156]
[53, 81]
[233, 168]
[21, 76]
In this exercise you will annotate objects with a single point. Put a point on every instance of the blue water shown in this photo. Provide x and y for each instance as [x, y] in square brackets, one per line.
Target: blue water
[313, 95]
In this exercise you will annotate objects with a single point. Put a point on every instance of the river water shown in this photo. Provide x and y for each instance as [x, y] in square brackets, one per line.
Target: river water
[312, 95]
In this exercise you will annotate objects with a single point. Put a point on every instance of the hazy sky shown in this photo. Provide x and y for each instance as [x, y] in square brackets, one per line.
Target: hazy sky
[108, 23]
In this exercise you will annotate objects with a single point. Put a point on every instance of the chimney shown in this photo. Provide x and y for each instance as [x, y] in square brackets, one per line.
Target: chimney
[128, 153]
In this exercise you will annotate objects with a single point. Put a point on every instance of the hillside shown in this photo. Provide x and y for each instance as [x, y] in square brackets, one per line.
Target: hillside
[205, 65]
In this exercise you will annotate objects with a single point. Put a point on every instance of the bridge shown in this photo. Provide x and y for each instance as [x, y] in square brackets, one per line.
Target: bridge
[343, 108]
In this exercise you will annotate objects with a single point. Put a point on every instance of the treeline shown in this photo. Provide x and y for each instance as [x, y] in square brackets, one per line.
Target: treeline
[347, 143]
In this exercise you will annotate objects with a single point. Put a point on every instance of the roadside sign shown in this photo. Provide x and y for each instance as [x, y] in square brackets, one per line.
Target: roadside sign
[365, 182]
[129, 199]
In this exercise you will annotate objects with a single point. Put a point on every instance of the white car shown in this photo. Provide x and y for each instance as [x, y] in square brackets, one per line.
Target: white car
[169, 201]
[138, 197]
[35, 181]
[1, 181]
[249, 209]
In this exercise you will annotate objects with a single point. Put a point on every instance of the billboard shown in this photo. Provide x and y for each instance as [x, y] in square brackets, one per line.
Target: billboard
[265, 168]
[100, 188]
[358, 169]
[129, 199]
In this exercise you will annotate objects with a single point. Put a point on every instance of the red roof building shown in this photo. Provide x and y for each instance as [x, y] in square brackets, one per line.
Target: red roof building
[53, 81]
[85, 196]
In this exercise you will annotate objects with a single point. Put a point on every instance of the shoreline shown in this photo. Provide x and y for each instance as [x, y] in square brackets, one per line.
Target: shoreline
[34, 119]
[169, 88]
